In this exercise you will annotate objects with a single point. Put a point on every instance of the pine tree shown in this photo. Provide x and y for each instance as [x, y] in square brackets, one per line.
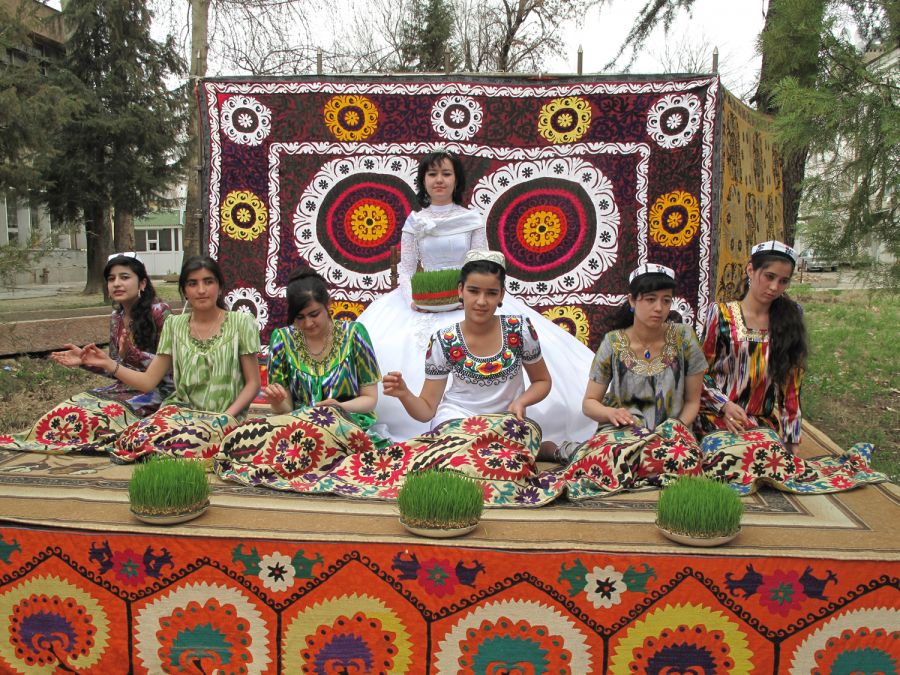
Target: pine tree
[124, 150]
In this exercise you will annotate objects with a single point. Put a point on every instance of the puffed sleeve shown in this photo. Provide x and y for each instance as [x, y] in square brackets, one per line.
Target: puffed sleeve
[715, 348]
[790, 406]
[437, 367]
[694, 358]
[409, 258]
[366, 364]
[248, 334]
[278, 366]
[167, 336]
[601, 366]
[531, 346]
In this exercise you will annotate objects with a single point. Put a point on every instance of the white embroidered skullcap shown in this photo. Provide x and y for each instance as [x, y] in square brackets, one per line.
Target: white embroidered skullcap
[477, 254]
[651, 268]
[775, 247]
[125, 254]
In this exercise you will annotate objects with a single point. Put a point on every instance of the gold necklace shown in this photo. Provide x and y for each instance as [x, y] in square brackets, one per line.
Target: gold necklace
[647, 353]
[326, 347]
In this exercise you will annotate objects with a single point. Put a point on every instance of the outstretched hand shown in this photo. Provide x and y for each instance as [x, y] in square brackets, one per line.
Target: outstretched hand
[394, 385]
[69, 358]
[92, 355]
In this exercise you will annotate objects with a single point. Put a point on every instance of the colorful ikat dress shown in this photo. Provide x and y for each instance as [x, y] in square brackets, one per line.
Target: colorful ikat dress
[661, 447]
[738, 371]
[92, 420]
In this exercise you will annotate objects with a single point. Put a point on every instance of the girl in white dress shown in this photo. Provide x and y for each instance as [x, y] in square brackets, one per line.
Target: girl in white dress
[438, 237]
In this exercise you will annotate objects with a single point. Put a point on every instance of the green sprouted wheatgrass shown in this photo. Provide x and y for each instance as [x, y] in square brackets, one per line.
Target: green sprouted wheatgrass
[700, 507]
[163, 486]
[440, 499]
[435, 281]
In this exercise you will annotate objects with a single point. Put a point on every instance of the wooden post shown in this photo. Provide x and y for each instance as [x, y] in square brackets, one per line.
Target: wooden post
[319, 61]
[715, 63]
[395, 262]
[580, 59]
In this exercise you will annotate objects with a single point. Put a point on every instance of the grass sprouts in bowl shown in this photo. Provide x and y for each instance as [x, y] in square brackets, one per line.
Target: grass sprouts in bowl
[163, 486]
[696, 506]
[437, 499]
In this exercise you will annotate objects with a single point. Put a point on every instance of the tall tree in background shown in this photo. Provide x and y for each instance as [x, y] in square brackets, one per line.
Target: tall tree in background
[123, 151]
[427, 36]
[795, 45]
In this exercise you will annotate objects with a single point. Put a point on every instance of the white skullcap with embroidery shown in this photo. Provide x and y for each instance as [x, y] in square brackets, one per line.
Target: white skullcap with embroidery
[477, 254]
[775, 247]
[651, 268]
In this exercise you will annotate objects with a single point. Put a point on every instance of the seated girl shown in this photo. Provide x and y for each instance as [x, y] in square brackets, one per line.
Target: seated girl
[212, 353]
[323, 387]
[478, 423]
[91, 421]
[644, 393]
[750, 413]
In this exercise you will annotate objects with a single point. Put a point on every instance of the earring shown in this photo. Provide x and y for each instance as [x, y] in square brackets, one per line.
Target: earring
[748, 282]
[499, 304]
[460, 301]
[631, 309]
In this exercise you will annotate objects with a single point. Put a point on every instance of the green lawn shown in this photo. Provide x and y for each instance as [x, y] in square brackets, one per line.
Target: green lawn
[850, 389]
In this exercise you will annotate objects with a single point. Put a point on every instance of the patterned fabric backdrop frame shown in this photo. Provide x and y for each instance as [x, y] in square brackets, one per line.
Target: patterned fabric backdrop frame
[578, 181]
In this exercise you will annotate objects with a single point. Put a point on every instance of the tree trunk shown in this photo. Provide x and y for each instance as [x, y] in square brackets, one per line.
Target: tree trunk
[98, 231]
[193, 210]
[123, 230]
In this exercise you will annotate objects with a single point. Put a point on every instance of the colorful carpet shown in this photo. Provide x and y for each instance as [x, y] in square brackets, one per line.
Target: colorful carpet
[90, 602]
[578, 180]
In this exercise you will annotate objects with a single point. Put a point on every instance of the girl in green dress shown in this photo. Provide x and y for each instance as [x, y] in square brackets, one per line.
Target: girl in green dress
[323, 387]
[212, 353]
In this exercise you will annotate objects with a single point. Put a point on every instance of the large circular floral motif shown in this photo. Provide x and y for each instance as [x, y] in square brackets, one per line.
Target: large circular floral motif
[245, 120]
[513, 636]
[573, 320]
[351, 215]
[202, 627]
[555, 220]
[52, 624]
[66, 425]
[860, 641]
[674, 219]
[344, 310]
[250, 301]
[564, 120]
[674, 119]
[709, 642]
[350, 117]
[244, 216]
[456, 118]
[348, 634]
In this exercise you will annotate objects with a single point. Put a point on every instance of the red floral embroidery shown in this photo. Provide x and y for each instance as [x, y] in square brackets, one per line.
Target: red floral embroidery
[456, 354]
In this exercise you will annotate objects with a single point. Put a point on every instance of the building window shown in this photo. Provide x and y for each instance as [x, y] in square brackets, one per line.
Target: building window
[12, 218]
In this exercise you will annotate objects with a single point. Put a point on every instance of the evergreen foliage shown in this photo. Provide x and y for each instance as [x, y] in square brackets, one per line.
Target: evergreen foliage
[426, 36]
[437, 499]
[123, 150]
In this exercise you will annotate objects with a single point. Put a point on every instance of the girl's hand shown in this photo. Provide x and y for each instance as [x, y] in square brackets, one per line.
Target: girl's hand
[329, 401]
[275, 394]
[394, 385]
[735, 417]
[69, 358]
[517, 409]
[620, 417]
[92, 355]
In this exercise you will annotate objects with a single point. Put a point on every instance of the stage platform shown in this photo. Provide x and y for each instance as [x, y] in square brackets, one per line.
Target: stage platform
[267, 582]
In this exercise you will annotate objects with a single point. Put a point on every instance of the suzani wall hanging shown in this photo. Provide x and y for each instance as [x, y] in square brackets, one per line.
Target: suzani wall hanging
[578, 181]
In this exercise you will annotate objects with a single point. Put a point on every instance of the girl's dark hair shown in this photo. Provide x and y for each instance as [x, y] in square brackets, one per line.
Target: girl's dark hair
[483, 267]
[788, 347]
[646, 283]
[305, 286]
[435, 159]
[144, 333]
[202, 262]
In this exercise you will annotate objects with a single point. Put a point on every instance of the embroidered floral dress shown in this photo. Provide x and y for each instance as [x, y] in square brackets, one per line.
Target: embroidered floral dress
[738, 371]
[208, 377]
[661, 447]
[438, 237]
[91, 421]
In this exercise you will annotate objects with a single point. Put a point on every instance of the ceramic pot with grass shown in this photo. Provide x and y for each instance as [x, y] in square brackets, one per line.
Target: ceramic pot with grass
[435, 290]
[440, 504]
[166, 491]
[699, 511]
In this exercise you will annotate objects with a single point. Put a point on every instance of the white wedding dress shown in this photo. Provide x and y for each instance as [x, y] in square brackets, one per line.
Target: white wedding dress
[439, 237]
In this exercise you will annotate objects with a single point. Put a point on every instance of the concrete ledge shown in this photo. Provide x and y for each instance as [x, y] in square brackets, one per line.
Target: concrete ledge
[45, 335]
